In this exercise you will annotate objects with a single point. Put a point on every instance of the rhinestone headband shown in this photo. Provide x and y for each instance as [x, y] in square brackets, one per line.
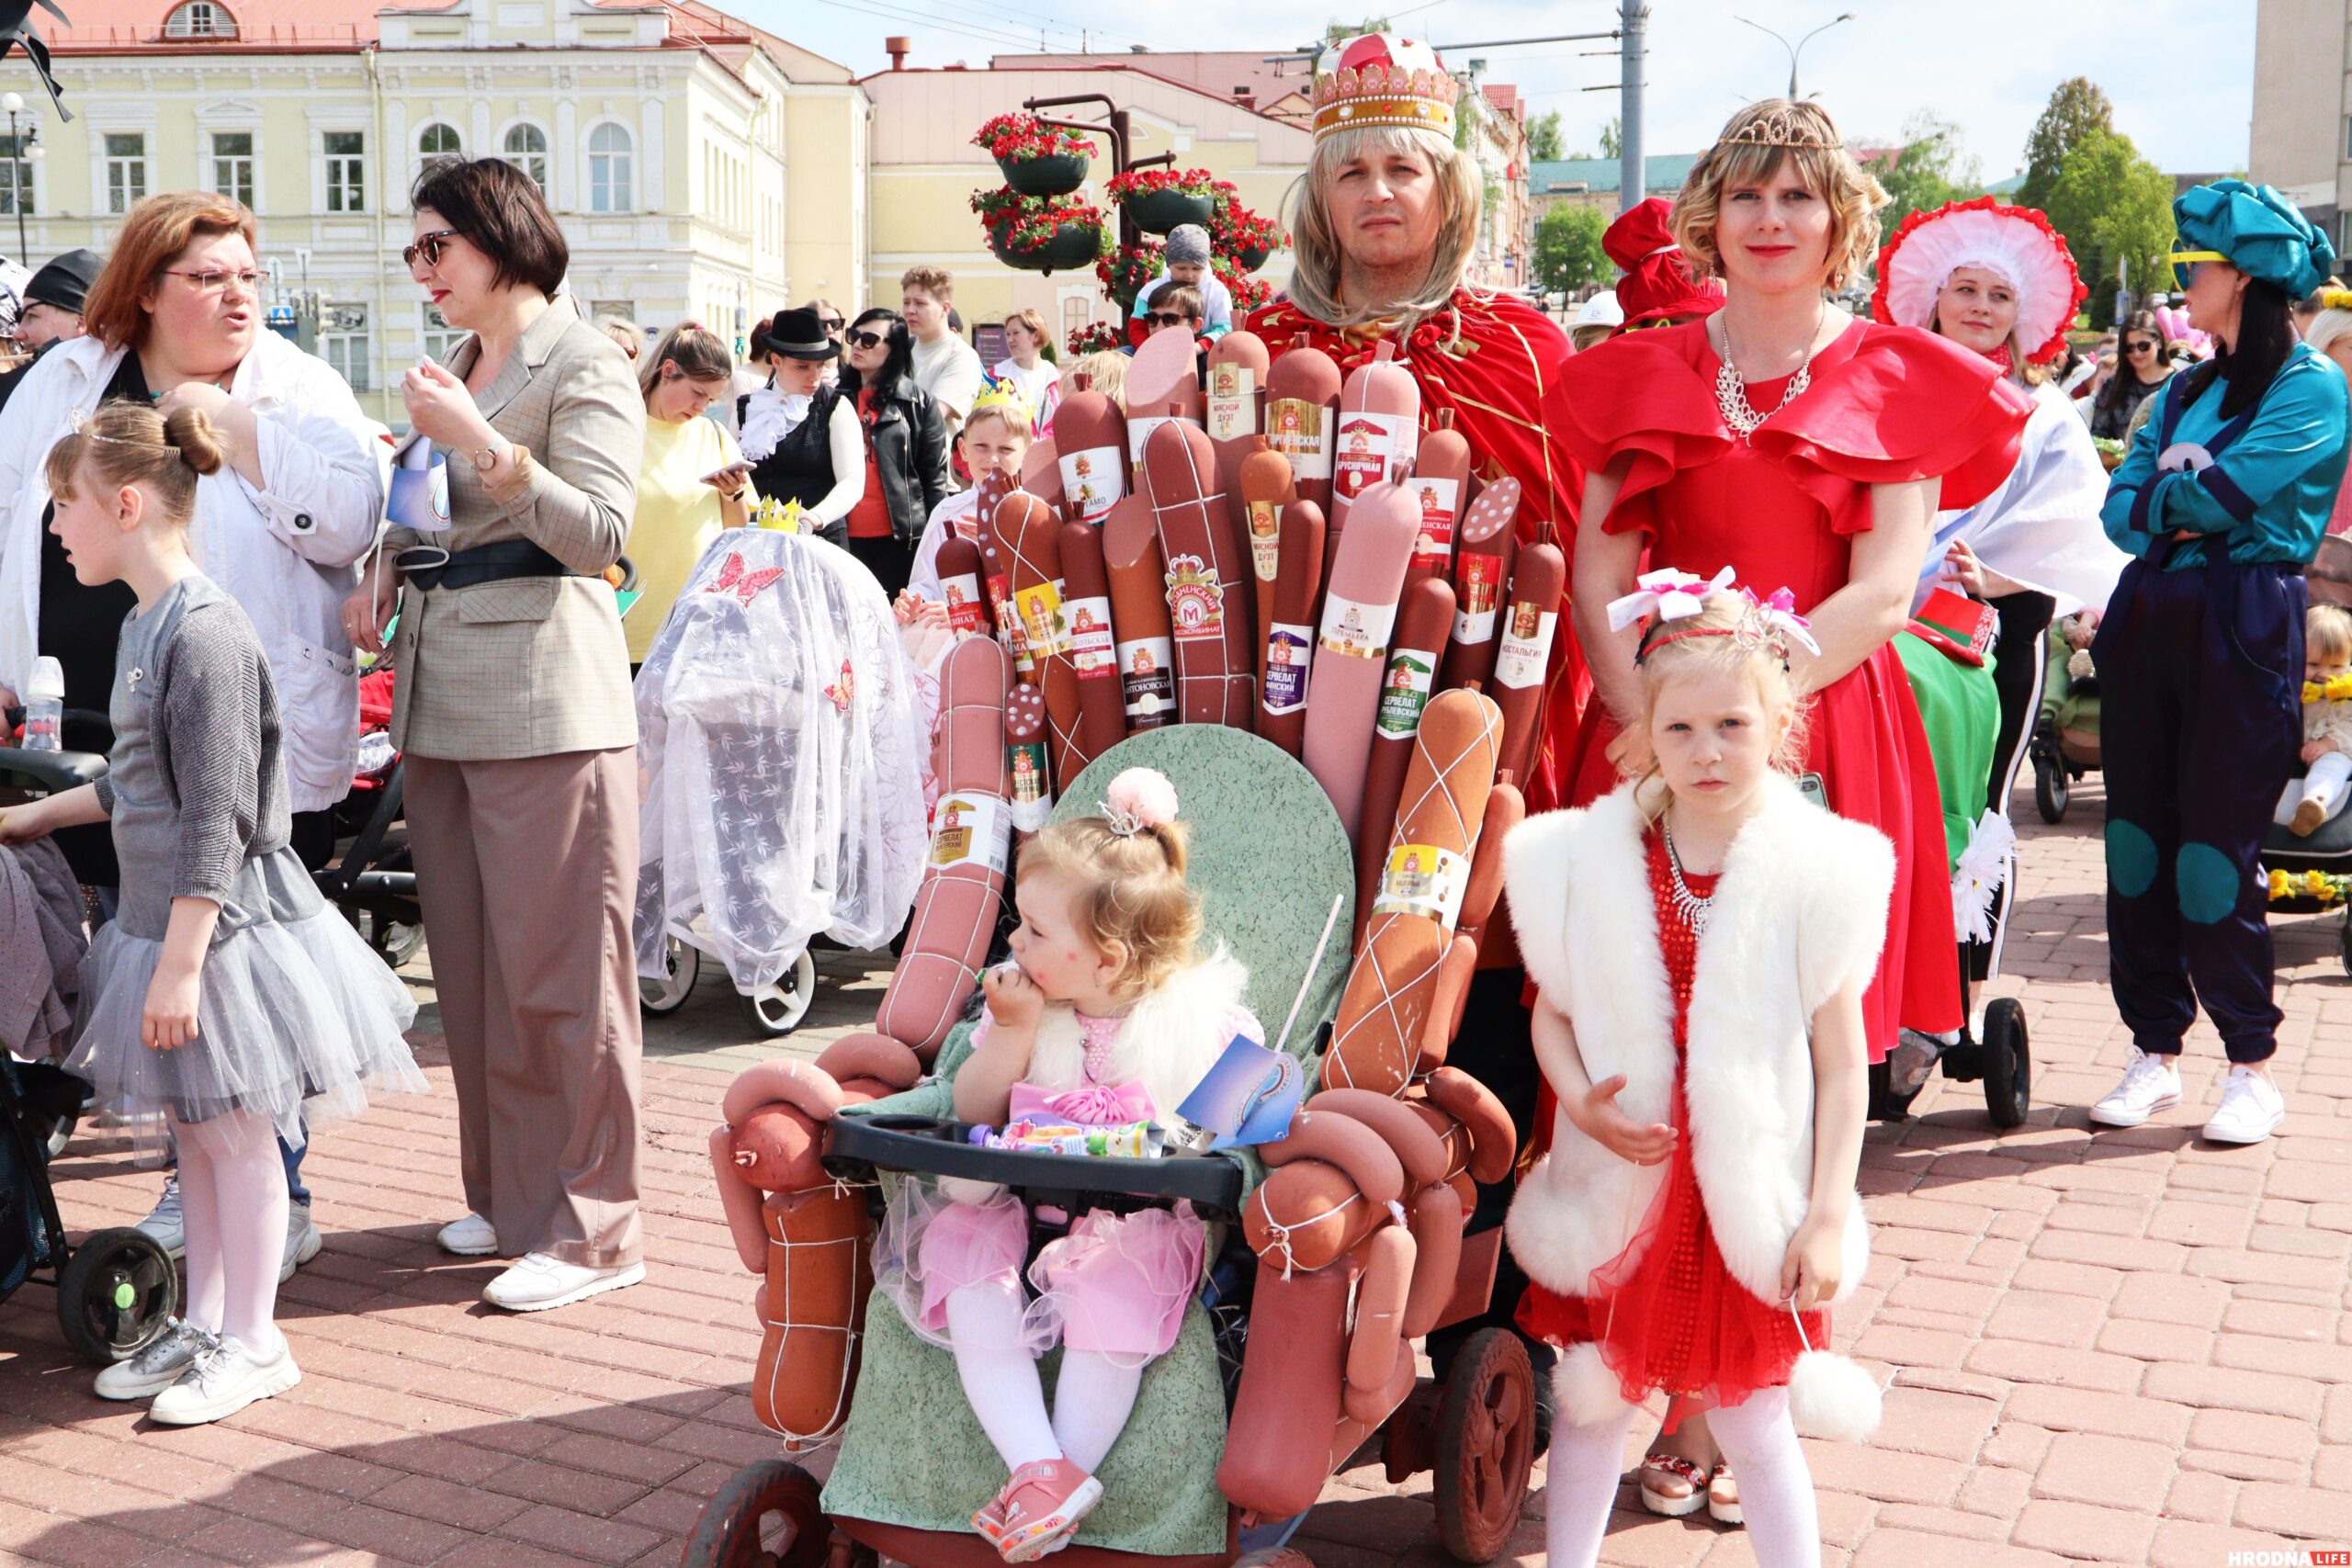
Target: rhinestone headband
[1782, 126]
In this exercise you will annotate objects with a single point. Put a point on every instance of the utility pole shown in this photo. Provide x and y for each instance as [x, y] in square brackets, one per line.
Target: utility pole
[1632, 21]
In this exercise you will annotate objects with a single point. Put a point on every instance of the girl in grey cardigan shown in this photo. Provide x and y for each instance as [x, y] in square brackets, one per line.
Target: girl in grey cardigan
[225, 995]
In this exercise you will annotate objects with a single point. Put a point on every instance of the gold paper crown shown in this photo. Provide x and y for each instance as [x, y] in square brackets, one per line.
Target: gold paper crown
[1402, 83]
[1784, 126]
[997, 392]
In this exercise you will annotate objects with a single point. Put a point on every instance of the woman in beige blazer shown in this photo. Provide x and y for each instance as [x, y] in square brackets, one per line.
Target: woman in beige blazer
[513, 711]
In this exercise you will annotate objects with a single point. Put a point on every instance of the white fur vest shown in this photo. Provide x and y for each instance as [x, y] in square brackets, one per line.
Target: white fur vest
[1801, 908]
[1171, 1037]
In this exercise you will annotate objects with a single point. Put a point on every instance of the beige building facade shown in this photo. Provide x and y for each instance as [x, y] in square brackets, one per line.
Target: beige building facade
[2302, 109]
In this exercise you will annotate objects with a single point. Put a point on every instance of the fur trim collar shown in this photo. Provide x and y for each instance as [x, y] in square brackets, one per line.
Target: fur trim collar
[1168, 1042]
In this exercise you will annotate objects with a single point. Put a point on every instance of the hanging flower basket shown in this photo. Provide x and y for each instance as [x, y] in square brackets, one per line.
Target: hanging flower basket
[1036, 159]
[1126, 271]
[1247, 292]
[1092, 338]
[1162, 199]
[1241, 236]
[1040, 234]
[1056, 174]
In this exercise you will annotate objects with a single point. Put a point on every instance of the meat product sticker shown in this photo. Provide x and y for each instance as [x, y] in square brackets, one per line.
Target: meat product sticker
[1195, 602]
[1090, 650]
[1357, 629]
[1403, 694]
[1369, 443]
[1139, 429]
[1093, 479]
[965, 609]
[1299, 432]
[1265, 539]
[969, 830]
[1440, 500]
[1147, 676]
[1424, 880]
[1032, 797]
[1527, 645]
[1479, 580]
[1233, 394]
[1289, 649]
[1041, 626]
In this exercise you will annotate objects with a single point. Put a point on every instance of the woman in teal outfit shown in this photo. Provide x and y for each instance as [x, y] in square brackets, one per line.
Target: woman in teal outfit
[2221, 501]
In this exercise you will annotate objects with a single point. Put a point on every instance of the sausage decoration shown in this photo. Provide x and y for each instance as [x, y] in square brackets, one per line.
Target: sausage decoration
[1163, 384]
[1094, 649]
[1523, 657]
[1392, 987]
[1289, 651]
[1090, 451]
[959, 586]
[811, 1311]
[1262, 485]
[1482, 560]
[1041, 474]
[1440, 479]
[1215, 669]
[1032, 796]
[1378, 434]
[1237, 388]
[1422, 623]
[1302, 408]
[1146, 655]
[1288, 1404]
[1028, 536]
[963, 880]
[1352, 652]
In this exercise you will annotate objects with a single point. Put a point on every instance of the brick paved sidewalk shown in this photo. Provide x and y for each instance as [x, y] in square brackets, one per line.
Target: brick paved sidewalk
[2128, 1349]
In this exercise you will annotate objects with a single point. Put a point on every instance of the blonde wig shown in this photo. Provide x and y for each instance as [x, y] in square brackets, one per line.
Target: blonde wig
[1748, 152]
[1315, 242]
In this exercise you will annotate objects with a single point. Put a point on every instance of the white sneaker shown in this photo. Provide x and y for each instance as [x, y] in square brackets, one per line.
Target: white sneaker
[2251, 1110]
[302, 1241]
[2150, 1083]
[164, 1222]
[225, 1379]
[158, 1366]
[539, 1282]
[473, 1236]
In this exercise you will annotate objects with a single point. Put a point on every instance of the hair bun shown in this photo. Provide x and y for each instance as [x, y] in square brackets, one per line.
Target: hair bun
[200, 447]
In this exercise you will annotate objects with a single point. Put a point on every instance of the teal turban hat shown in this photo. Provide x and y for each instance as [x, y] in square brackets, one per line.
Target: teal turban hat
[2254, 229]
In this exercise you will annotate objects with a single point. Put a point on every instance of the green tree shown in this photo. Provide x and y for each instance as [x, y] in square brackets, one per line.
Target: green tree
[2116, 206]
[1567, 248]
[2076, 110]
[1932, 168]
[1543, 137]
[1339, 32]
[1612, 139]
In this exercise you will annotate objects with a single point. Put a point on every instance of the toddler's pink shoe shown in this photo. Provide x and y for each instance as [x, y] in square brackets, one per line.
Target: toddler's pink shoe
[1041, 1508]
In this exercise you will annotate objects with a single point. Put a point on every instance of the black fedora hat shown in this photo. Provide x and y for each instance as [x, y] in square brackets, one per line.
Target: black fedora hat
[796, 334]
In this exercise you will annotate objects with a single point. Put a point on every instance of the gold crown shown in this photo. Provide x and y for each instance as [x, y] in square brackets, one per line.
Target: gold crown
[997, 392]
[1383, 80]
[1785, 125]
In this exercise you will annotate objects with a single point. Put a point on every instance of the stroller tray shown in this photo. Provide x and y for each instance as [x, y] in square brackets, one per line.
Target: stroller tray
[937, 1147]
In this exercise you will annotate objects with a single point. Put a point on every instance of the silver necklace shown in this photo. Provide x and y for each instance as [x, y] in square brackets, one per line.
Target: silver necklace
[1689, 907]
[1731, 392]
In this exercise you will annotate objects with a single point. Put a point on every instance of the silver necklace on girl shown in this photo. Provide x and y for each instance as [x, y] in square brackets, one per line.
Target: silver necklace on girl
[1731, 391]
[1689, 907]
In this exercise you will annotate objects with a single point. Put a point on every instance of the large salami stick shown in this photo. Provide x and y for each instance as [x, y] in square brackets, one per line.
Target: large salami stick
[1094, 649]
[1288, 1404]
[959, 586]
[1352, 652]
[1262, 486]
[1041, 474]
[1392, 987]
[1032, 777]
[1302, 406]
[1482, 558]
[1523, 659]
[1441, 486]
[1163, 384]
[1146, 656]
[996, 572]
[1290, 628]
[1091, 452]
[1423, 621]
[1237, 368]
[1216, 679]
[1029, 535]
[1378, 434]
[811, 1310]
[963, 882]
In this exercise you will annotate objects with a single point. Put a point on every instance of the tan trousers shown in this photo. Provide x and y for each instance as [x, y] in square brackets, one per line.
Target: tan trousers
[527, 870]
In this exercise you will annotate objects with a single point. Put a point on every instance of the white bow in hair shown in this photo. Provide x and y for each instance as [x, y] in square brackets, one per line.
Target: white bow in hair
[1667, 593]
[1780, 609]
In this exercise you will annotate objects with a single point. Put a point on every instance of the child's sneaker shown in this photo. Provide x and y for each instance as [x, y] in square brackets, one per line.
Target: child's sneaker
[163, 1221]
[2150, 1083]
[158, 1366]
[223, 1380]
[2251, 1110]
[1043, 1505]
[989, 1523]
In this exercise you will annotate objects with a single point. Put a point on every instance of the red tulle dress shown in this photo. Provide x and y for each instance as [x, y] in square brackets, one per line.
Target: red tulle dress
[1667, 1313]
[1885, 405]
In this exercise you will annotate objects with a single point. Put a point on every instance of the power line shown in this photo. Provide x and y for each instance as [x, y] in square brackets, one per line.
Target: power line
[889, 13]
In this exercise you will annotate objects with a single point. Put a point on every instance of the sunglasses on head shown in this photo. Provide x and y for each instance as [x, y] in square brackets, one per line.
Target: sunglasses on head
[831, 323]
[429, 246]
[865, 339]
[1166, 318]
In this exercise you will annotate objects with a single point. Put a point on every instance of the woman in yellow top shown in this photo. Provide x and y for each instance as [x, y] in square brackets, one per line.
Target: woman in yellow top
[693, 481]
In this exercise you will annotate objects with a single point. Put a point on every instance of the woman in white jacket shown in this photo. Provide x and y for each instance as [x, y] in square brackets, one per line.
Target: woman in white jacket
[176, 317]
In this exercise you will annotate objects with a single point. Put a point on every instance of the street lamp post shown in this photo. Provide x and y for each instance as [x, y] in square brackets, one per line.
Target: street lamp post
[13, 105]
[1797, 48]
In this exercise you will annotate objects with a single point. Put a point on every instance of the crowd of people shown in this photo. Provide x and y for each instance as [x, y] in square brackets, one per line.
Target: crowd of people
[196, 542]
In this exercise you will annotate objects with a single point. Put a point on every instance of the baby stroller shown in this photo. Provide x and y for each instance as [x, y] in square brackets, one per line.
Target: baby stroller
[913, 1463]
[2065, 736]
[117, 1290]
[781, 801]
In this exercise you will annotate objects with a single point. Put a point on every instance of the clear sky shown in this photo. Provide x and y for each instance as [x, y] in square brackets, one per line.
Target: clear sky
[2180, 71]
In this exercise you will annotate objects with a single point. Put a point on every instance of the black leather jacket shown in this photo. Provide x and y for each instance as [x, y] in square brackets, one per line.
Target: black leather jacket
[909, 437]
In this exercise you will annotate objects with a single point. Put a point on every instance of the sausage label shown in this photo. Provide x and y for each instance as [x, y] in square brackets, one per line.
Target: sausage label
[1196, 601]
[1147, 678]
[1424, 880]
[1357, 629]
[1369, 443]
[1233, 402]
[966, 610]
[1265, 538]
[1089, 624]
[1032, 797]
[1439, 501]
[1477, 582]
[1527, 645]
[1404, 692]
[1288, 652]
[969, 830]
[1139, 429]
[1008, 623]
[1301, 432]
[1094, 480]
[1042, 628]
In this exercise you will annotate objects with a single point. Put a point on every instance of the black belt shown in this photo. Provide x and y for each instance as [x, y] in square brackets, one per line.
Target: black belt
[428, 566]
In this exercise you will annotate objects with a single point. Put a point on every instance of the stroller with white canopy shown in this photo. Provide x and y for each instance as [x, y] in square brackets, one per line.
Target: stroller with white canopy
[779, 756]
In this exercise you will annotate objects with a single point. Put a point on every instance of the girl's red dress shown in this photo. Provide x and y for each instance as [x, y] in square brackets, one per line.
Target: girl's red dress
[1885, 405]
[1667, 1313]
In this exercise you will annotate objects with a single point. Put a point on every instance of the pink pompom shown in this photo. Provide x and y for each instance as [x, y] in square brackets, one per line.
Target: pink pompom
[1145, 796]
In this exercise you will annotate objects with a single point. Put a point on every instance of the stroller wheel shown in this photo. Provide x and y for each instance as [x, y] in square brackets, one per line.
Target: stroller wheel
[2050, 789]
[114, 1294]
[777, 1010]
[682, 966]
[766, 1513]
[1486, 1442]
[2009, 1063]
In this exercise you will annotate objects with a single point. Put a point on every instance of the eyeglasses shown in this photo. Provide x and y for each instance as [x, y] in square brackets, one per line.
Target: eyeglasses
[866, 340]
[1166, 318]
[831, 323]
[214, 282]
[429, 246]
[2142, 346]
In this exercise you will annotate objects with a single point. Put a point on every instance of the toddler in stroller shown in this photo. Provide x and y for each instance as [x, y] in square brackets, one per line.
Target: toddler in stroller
[2319, 794]
[2065, 736]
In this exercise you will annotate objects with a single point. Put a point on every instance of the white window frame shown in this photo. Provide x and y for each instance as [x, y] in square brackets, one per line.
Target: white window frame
[601, 187]
[428, 336]
[357, 362]
[433, 125]
[250, 158]
[524, 159]
[343, 174]
[219, 23]
[126, 173]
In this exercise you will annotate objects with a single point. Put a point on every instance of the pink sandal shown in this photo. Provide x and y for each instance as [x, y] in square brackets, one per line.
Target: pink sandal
[1673, 1467]
[1042, 1506]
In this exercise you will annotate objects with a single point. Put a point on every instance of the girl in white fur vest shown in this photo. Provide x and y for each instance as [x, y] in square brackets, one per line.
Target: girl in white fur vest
[1702, 939]
[1108, 1015]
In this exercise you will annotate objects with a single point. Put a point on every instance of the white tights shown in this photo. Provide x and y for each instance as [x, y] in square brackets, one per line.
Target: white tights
[1091, 1401]
[233, 1203]
[1758, 1442]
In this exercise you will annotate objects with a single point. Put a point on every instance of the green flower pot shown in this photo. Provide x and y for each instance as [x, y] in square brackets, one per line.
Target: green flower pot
[1073, 245]
[1160, 211]
[1056, 175]
[1252, 259]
